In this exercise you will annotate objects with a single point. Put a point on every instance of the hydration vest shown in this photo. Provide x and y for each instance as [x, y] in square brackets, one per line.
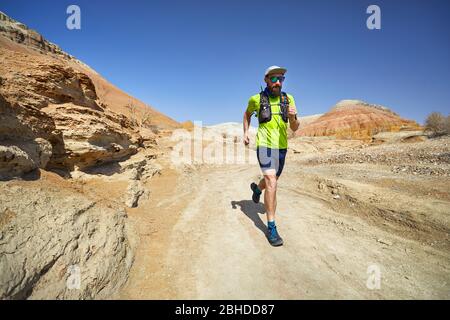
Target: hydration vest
[265, 110]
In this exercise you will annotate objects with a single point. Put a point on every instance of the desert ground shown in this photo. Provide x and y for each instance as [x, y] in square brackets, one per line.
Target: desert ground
[359, 220]
[345, 209]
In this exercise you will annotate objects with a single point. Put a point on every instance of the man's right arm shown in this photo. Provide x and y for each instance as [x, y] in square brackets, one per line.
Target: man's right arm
[251, 107]
[246, 123]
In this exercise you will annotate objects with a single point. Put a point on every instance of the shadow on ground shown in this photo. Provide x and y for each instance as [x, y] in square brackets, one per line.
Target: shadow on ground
[252, 211]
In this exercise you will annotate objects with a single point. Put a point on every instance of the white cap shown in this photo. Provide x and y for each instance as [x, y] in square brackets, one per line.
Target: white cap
[274, 69]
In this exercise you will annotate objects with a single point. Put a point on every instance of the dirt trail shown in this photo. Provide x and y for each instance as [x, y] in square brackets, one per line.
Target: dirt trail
[203, 238]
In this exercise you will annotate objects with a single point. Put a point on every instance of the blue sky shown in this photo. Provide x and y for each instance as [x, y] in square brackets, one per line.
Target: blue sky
[202, 60]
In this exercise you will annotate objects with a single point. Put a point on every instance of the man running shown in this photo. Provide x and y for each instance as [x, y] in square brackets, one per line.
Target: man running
[274, 110]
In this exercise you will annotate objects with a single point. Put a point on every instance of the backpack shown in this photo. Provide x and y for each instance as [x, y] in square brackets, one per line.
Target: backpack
[265, 110]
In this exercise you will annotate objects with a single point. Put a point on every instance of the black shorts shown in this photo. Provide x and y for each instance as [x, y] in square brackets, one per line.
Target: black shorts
[269, 158]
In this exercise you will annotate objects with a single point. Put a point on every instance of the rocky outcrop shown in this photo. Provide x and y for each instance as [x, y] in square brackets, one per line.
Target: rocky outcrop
[90, 137]
[25, 135]
[356, 119]
[134, 192]
[20, 33]
[58, 244]
[60, 109]
[36, 81]
[396, 137]
[135, 172]
[22, 157]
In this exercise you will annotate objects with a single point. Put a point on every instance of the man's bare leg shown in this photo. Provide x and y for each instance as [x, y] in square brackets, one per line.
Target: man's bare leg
[262, 184]
[270, 186]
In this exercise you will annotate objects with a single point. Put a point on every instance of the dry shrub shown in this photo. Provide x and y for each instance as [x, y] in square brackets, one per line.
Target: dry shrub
[139, 118]
[437, 124]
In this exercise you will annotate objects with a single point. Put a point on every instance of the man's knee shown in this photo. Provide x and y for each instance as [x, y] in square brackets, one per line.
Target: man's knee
[271, 182]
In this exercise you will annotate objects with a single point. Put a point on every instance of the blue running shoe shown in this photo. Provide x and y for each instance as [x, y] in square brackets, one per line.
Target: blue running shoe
[256, 192]
[273, 237]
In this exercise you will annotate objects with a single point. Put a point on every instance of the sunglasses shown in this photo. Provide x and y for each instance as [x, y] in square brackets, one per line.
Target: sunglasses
[275, 79]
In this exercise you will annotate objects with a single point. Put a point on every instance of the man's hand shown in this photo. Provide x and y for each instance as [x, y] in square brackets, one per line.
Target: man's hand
[292, 112]
[246, 125]
[246, 139]
[293, 122]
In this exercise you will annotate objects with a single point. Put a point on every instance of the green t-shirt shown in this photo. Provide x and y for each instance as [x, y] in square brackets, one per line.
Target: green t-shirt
[272, 134]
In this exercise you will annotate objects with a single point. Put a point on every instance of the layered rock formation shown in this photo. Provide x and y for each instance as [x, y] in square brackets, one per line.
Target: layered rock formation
[57, 113]
[54, 109]
[357, 120]
[20, 33]
[308, 119]
[305, 120]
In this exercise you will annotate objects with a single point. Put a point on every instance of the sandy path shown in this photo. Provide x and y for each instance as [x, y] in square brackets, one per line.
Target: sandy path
[204, 239]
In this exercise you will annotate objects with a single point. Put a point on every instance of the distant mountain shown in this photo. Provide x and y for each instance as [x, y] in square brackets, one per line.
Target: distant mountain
[229, 129]
[356, 119]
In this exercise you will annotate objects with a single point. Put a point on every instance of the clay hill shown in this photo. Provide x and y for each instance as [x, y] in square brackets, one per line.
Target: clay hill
[58, 113]
[356, 119]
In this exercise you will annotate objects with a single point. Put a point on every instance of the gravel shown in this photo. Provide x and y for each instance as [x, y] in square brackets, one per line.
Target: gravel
[431, 157]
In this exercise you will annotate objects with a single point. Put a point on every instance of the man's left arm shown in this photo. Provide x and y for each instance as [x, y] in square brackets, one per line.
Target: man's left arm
[292, 114]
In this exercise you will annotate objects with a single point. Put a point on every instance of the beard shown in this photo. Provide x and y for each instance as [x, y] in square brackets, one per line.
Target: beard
[275, 90]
